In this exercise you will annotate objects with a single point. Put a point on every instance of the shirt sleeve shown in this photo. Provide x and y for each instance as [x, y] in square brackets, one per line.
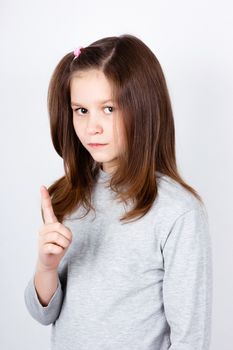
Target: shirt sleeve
[46, 314]
[187, 284]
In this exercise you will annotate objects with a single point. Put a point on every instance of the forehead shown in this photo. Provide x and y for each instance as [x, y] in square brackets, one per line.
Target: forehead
[90, 83]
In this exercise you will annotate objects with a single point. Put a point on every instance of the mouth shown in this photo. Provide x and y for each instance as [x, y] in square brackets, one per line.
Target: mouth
[97, 145]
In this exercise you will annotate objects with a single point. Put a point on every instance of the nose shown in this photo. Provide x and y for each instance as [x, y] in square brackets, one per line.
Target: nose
[93, 125]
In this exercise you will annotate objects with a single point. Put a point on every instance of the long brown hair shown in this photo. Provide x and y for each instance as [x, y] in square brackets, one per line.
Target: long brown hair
[140, 91]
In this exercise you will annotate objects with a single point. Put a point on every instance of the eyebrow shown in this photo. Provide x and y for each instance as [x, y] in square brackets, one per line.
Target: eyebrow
[78, 104]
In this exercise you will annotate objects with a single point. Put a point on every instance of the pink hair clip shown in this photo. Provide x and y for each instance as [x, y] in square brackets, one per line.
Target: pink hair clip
[77, 51]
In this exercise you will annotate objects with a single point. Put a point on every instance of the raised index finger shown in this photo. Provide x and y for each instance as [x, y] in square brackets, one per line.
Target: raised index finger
[47, 208]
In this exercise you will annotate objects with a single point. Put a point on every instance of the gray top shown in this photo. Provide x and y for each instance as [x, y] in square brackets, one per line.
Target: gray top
[144, 285]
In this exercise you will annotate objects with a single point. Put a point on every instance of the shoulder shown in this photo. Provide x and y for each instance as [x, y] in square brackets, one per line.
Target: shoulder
[175, 206]
[174, 198]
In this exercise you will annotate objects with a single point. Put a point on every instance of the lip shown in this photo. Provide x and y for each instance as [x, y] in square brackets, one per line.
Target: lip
[97, 145]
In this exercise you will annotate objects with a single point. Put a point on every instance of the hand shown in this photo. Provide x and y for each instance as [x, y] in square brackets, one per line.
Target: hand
[54, 237]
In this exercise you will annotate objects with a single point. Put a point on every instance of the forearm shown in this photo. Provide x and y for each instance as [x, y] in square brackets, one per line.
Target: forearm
[46, 283]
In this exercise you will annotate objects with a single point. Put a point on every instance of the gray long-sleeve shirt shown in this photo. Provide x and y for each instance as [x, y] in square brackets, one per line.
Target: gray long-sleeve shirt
[144, 285]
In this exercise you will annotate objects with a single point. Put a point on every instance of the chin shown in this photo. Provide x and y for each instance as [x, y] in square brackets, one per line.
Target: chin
[101, 159]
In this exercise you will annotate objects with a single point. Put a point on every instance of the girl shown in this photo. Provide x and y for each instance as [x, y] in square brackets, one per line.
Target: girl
[124, 258]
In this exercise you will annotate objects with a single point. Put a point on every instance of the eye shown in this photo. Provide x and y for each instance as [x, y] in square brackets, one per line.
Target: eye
[109, 108]
[82, 110]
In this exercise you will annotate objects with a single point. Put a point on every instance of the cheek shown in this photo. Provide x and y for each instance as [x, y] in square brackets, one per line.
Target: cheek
[78, 128]
[120, 135]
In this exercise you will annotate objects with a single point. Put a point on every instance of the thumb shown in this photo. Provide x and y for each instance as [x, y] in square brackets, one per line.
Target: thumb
[47, 208]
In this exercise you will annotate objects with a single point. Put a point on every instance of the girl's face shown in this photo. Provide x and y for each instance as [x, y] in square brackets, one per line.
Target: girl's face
[96, 119]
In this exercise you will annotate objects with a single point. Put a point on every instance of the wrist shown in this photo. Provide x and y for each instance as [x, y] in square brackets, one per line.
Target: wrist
[40, 268]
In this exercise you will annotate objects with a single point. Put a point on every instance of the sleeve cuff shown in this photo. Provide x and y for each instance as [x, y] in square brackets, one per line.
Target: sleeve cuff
[43, 314]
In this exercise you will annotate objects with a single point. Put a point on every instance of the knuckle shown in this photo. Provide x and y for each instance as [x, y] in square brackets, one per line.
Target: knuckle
[65, 243]
[56, 236]
[58, 225]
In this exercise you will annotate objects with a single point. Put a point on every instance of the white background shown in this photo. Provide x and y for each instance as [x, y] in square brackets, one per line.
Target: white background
[193, 41]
